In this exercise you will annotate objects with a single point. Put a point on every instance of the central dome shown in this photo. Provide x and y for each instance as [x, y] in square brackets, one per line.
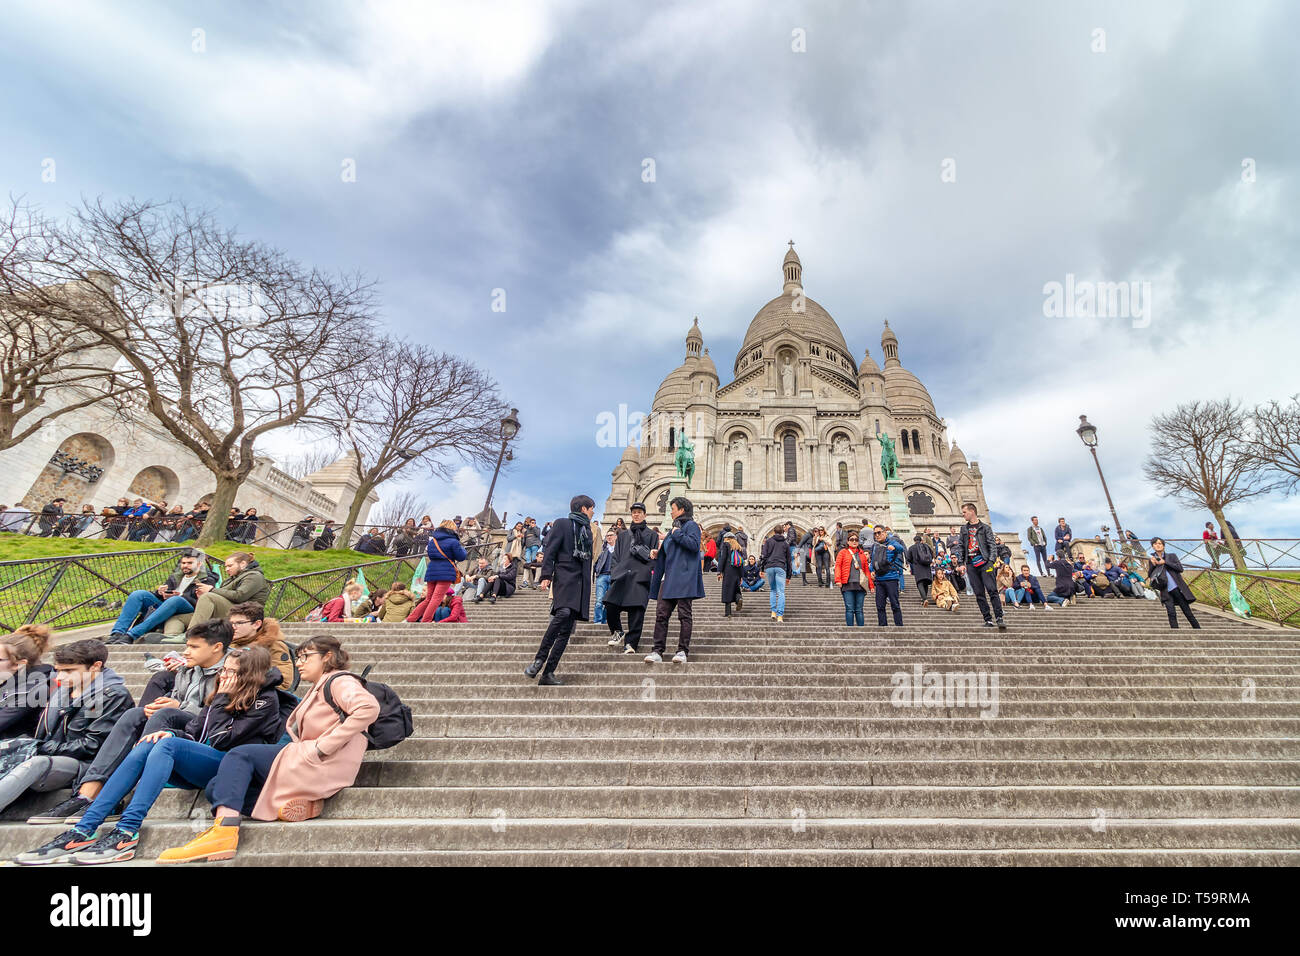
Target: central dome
[813, 322]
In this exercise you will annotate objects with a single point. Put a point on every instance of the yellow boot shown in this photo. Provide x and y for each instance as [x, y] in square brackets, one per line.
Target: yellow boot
[217, 842]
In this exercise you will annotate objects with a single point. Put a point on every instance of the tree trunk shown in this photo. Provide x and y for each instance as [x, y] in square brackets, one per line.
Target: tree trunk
[1234, 546]
[223, 499]
[345, 533]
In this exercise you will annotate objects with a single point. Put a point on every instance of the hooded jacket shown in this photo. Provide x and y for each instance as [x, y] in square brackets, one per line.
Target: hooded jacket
[222, 729]
[176, 577]
[22, 698]
[249, 584]
[271, 637]
[397, 605]
[193, 685]
[442, 568]
[78, 728]
[776, 554]
[456, 612]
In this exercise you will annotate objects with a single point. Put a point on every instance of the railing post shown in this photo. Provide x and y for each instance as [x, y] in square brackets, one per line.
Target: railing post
[34, 613]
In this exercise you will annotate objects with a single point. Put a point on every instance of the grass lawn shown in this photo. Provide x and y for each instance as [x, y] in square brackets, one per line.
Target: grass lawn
[140, 565]
[275, 562]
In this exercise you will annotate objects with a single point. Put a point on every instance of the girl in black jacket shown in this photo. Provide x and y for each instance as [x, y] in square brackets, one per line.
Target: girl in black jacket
[244, 709]
[24, 680]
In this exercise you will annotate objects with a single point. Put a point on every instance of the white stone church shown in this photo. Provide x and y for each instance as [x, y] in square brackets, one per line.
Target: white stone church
[793, 436]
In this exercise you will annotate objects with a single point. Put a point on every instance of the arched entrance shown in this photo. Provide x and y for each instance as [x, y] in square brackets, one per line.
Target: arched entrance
[72, 472]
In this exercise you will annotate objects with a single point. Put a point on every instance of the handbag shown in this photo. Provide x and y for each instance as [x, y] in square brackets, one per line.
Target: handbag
[459, 576]
[1159, 578]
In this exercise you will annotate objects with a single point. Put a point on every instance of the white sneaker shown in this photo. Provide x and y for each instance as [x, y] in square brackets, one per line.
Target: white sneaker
[1047, 607]
[629, 649]
[679, 657]
[653, 658]
[616, 640]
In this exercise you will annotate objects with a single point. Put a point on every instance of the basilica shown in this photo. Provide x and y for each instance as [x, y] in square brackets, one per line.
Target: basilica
[796, 434]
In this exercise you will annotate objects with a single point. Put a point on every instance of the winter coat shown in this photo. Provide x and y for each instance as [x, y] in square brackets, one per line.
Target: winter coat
[1036, 534]
[776, 554]
[325, 752]
[942, 588]
[190, 594]
[985, 543]
[22, 698]
[919, 558]
[678, 575]
[1173, 578]
[223, 730]
[249, 584]
[844, 567]
[1061, 534]
[78, 728]
[629, 583]
[332, 610]
[532, 536]
[191, 686]
[1005, 577]
[893, 560]
[507, 576]
[271, 637]
[456, 612]
[730, 574]
[397, 605]
[752, 573]
[442, 568]
[570, 577]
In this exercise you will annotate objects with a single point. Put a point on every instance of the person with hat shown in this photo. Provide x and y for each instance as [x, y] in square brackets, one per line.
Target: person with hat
[629, 582]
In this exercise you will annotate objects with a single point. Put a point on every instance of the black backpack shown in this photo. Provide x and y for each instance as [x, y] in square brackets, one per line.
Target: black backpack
[394, 723]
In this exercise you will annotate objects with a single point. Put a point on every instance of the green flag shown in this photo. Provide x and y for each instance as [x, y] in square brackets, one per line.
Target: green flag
[1239, 605]
[361, 580]
[417, 578]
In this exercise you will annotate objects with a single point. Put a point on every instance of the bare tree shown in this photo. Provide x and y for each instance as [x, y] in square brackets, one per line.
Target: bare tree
[428, 408]
[47, 369]
[394, 509]
[1276, 442]
[1201, 453]
[225, 339]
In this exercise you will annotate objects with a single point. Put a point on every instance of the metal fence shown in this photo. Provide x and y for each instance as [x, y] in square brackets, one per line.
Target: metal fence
[1260, 554]
[294, 597]
[177, 529]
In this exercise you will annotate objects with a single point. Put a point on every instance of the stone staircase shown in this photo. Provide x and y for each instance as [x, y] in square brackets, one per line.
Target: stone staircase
[1115, 741]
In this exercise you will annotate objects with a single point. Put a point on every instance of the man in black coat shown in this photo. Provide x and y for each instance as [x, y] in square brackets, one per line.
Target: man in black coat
[1165, 572]
[977, 552]
[919, 558]
[566, 561]
[629, 583]
[49, 519]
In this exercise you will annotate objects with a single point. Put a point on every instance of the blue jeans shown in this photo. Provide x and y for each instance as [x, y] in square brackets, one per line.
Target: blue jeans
[756, 586]
[602, 585]
[147, 768]
[776, 584]
[158, 612]
[853, 602]
[530, 553]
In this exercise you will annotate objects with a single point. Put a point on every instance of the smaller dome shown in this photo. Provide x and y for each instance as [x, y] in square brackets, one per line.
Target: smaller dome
[675, 389]
[956, 456]
[705, 364]
[694, 334]
[868, 366]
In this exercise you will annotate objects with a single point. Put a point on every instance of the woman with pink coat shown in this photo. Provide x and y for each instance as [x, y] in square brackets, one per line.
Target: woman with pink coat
[322, 757]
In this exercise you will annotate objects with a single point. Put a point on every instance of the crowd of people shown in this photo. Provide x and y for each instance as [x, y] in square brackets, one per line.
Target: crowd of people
[128, 520]
[219, 716]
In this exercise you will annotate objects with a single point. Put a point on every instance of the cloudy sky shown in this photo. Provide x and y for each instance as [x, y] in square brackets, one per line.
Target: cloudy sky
[937, 165]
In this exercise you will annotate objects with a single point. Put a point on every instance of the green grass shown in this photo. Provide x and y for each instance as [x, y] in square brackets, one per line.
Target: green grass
[275, 562]
[142, 565]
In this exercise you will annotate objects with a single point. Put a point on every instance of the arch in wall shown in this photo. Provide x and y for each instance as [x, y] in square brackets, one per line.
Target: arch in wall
[53, 482]
[826, 434]
[943, 500]
[155, 483]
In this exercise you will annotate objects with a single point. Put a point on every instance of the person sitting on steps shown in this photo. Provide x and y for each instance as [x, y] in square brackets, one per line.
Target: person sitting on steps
[174, 597]
[290, 780]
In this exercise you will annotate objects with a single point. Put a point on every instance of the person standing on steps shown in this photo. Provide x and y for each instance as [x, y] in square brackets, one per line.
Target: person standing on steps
[1165, 574]
[566, 561]
[979, 556]
[805, 555]
[822, 556]
[442, 552]
[1064, 538]
[853, 575]
[840, 541]
[629, 584]
[1036, 538]
[919, 557]
[775, 562]
[677, 580]
[887, 556]
[731, 565]
[603, 569]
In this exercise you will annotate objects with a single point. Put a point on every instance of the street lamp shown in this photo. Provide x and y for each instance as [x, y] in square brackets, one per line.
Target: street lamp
[1088, 435]
[509, 429]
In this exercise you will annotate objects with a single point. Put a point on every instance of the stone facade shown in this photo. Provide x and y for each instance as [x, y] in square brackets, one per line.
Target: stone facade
[793, 436]
[140, 459]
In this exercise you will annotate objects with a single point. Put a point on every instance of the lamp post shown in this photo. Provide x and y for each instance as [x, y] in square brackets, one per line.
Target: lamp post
[1088, 435]
[509, 429]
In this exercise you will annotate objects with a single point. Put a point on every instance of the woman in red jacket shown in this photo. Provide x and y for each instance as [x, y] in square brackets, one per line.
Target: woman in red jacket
[853, 575]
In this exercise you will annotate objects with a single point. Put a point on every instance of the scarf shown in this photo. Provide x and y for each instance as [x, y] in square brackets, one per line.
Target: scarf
[581, 535]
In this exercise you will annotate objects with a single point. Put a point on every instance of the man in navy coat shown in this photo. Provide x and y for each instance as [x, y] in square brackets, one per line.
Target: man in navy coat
[678, 580]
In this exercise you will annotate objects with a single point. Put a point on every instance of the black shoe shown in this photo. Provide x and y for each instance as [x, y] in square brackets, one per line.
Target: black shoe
[115, 846]
[533, 669]
[59, 850]
[1002, 625]
[478, 599]
[989, 624]
[549, 680]
[492, 599]
[119, 638]
[69, 811]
